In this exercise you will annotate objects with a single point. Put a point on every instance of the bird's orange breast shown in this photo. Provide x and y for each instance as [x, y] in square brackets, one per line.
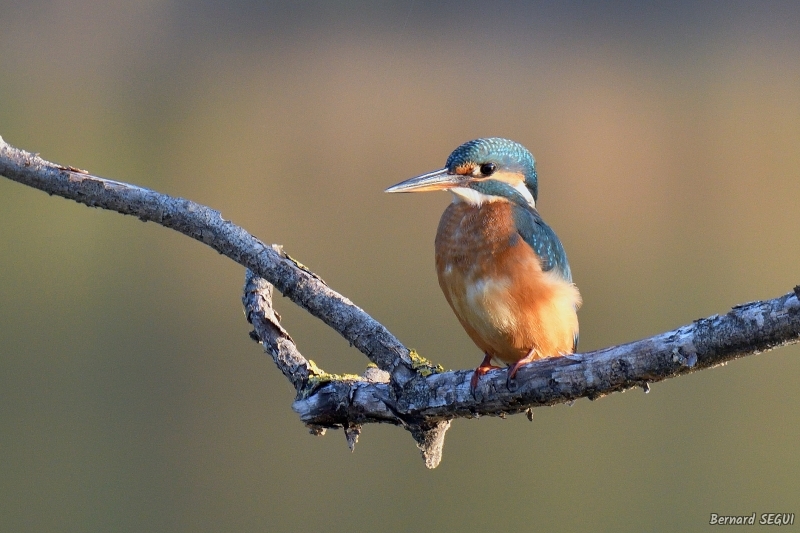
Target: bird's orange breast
[494, 282]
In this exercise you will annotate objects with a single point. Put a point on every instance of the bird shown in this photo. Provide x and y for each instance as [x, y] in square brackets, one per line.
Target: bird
[501, 268]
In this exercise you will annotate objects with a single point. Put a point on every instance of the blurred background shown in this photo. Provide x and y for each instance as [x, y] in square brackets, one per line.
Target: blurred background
[132, 399]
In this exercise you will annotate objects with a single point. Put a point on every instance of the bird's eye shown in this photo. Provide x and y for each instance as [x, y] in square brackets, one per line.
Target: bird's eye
[487, 169]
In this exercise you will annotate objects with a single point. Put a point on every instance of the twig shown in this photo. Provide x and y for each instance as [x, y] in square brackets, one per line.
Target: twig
[405, 389]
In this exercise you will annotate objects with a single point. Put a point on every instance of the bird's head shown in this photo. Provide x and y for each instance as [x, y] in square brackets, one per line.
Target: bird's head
[482, 170]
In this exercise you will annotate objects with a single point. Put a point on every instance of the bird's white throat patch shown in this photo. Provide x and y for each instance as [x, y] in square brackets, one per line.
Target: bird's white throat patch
[473, 197]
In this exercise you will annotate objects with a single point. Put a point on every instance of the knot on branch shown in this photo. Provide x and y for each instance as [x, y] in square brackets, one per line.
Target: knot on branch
[430, 440]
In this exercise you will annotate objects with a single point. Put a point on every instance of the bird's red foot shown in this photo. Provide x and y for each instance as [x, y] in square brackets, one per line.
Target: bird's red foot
[485, 366]
[512, 370]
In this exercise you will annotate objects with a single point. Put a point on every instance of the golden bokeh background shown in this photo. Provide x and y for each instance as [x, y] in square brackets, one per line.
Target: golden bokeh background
[131, 398]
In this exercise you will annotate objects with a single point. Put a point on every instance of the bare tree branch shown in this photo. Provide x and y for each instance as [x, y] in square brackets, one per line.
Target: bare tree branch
[747, 329]
[207, 226]
[405, 389]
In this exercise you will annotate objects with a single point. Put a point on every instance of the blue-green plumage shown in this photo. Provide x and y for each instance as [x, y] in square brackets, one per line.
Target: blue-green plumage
[504, 153]
[542, 239]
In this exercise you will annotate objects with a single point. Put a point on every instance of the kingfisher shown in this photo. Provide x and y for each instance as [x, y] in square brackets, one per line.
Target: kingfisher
[503, 271]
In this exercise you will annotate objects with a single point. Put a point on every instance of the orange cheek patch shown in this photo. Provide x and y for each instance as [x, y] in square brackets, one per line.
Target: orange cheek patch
[465, 169]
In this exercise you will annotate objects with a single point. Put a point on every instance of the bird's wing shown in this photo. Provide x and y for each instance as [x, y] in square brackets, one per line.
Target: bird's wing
[543, 240]
[546, 244]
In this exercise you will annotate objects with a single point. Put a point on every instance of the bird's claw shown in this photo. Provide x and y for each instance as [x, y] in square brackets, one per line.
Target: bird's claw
[476, 376]
[511, 383]
[485, 366]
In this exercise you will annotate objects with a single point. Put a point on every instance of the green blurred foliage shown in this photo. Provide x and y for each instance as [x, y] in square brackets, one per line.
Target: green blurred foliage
[131, 398]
